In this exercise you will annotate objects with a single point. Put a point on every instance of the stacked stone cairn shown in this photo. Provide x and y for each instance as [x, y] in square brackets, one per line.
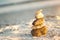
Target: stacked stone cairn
[38, 28]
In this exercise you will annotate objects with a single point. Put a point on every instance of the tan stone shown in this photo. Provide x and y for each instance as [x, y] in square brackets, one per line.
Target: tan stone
[39, 14]
[36, 32]
[44, 30]
[39, 31]
[36, 27]
[38, 22]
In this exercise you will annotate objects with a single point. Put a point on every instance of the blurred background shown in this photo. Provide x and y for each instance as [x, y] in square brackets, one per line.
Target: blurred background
[16, 17]
[14, 11]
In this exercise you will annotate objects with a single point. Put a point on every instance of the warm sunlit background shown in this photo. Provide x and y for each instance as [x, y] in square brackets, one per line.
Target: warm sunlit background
[16, 17]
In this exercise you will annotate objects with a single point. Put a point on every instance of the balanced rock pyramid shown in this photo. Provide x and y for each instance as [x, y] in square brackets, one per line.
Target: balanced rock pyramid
[38, 28]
